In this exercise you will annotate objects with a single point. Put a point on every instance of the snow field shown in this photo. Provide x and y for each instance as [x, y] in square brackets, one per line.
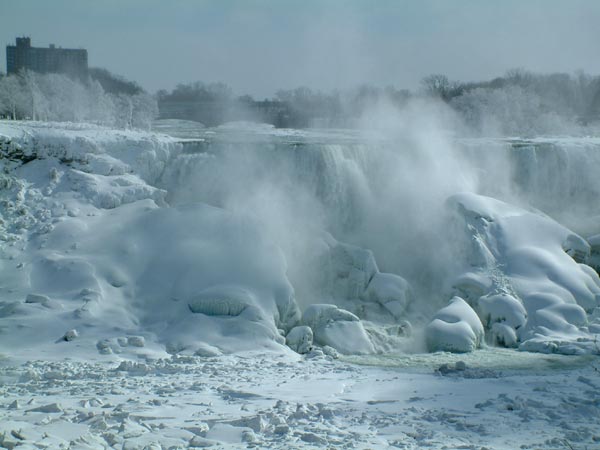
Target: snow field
[281, 401]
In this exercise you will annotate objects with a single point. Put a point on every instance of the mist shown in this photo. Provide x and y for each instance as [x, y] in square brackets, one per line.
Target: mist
[381, 186]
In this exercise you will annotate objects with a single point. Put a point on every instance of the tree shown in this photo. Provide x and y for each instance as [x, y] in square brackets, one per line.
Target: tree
[438, 85]
[58, 97]
[12, 96]
[114, 84]
[38, 102]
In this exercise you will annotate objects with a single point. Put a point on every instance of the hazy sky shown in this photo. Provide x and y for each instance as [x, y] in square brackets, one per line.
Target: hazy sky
[259, 46]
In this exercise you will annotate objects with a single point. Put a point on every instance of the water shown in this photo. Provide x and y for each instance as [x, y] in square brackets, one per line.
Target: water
[488, 361]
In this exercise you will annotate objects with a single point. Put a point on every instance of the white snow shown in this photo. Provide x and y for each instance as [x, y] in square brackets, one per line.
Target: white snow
[425, 401]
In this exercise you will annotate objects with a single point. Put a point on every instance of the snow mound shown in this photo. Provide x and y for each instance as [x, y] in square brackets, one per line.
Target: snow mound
[526, 279]
[455, 328]
[187, 277]
[502, 308]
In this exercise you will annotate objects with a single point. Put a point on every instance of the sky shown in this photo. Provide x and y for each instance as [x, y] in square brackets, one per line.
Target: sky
[260, 46]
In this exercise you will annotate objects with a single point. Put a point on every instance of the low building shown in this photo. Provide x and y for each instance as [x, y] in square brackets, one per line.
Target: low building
[45, 60]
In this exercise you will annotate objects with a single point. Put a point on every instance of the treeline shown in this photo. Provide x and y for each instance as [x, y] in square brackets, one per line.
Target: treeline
[214, 103]
[102, 98]
[517, 103]
[520, 102]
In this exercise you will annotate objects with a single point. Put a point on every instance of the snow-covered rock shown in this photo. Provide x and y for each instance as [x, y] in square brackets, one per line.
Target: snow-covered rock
[503, 335]
[349, 270]
[525, 274]
[502, 308]
[136, 341]
[455, 328]
[337, 328]
[504, 315]
[300, 339]
[352, 280]
[391, 291]
[70, 335]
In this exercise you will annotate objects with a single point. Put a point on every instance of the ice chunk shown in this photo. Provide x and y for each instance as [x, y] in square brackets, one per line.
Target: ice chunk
[300, 339]
[70, 335]
[49, 408]
[136, 341]
[37, 298]
[206, 350]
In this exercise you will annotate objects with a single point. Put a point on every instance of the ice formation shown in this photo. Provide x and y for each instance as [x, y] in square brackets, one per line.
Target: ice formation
[527, 279]
[137, 243]
[337, 328]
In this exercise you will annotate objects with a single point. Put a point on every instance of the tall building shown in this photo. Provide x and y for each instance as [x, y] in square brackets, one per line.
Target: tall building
[45, 60]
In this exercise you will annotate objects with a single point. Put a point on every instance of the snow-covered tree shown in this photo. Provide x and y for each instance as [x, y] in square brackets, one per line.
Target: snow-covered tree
[57, 97]
[12, 96]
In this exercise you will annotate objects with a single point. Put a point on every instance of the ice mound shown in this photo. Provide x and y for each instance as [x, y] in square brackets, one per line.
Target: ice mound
[337, 328]
[94, 247]
[527, 280]
[196, 273]
[90, 243]
[57, 170]
[352, 280]
[188, 276]
[455, 328]
[357, 300]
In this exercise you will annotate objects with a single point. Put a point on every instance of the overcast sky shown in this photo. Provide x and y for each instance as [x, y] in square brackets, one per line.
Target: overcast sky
[259, 46]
